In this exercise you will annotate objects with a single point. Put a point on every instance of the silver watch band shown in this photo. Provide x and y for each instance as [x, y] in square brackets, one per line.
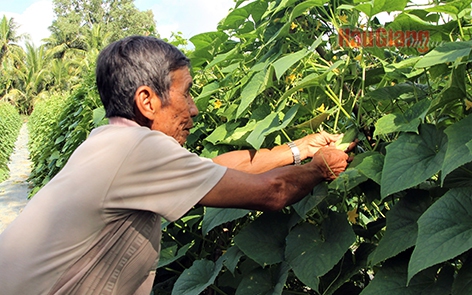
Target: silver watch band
[295, 152]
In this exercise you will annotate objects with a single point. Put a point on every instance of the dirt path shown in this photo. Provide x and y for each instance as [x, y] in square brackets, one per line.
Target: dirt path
[14, 191]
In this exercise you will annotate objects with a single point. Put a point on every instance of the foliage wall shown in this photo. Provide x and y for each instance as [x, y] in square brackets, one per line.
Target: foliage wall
[10, 123]
[398, 220]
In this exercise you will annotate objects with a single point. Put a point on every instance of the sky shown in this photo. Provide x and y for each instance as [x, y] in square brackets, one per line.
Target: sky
[190, 17]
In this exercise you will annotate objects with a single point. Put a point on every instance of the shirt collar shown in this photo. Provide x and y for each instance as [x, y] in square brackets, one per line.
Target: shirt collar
[120, 121]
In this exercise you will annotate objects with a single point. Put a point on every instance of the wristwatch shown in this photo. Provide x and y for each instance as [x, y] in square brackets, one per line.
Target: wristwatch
[295, 152]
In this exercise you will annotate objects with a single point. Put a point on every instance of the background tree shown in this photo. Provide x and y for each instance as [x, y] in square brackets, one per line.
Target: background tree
[74, 19]
[10, 51]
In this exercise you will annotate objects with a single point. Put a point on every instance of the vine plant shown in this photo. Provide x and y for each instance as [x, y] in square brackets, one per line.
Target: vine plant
[398, 221]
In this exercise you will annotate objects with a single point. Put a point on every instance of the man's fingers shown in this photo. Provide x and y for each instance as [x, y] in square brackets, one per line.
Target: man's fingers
[351, 146]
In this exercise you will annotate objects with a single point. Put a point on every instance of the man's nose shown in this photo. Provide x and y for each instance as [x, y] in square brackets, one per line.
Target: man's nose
[193, 108]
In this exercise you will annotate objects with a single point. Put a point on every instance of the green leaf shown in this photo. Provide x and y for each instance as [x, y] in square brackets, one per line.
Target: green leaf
[407, 121]
[317, 195]
[457, 153]
[391, 93]
[195, 279]
[170, 254]
[392, 276]
[314, 79]
[378, 6]
[262, 129]
[231, 258]
[253, 88]
[264, 281]
[444, 231]
[454, 91]
[449, 52]
[264, 239]
[283, 5]
[454, 8]
[412, 159]
[222, 57]
[208, 90]
[312, 255]
[348, 180]
[303, 6]
[98, 116]
[282, 64]
[208, 39]
[460, 177]
[369, 164]
[235, 18]
[222, 132]
[269, 125]
[313, 123]
[348, 137]
[217, 216]
[402, 229]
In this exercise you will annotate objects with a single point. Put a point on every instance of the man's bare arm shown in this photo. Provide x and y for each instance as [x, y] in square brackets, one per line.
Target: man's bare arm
[263, 160]
[276, 188]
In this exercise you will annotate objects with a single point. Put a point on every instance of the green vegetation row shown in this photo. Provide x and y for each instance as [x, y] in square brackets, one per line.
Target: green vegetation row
[10, 123]
[58, 126]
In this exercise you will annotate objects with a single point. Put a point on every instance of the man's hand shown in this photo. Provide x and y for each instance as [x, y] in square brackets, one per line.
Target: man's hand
[310, 144]
[330, 162]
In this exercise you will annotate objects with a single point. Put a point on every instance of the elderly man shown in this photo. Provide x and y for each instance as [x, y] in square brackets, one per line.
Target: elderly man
[95, 227]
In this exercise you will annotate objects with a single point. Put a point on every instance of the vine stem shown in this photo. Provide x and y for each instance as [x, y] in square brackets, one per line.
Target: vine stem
[330, 93]
[218, 290]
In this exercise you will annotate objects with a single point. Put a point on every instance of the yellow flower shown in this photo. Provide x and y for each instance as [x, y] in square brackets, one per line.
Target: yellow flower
[352, 215]
[343, 19]
[321, 108]
[217, 104]
[293, 26]
[468, 104]
[290, 78]
[358, 58]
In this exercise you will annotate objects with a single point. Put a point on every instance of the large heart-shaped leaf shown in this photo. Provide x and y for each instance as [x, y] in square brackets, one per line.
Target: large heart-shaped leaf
[406, 122]
[457, 154]
[369, 164]
[217, 216]
[264, 281]
[264, 239]
[444, 231]
[402, 228]
[412, 159]
[449, 52]
[391, 280]
[195, 279]
[312, 255]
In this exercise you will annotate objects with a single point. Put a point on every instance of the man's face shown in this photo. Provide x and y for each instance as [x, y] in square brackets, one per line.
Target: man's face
[175, 119]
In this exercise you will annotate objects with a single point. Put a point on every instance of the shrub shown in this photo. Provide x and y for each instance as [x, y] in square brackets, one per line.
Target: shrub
[10, 123]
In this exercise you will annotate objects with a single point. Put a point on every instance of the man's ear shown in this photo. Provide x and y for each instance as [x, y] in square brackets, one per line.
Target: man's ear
[147, 102]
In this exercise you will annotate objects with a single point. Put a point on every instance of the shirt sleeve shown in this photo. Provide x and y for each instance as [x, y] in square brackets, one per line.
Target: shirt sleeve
[159, 175]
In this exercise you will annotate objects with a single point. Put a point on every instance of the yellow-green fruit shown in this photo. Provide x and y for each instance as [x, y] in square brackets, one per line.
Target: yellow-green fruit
[348, 137]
